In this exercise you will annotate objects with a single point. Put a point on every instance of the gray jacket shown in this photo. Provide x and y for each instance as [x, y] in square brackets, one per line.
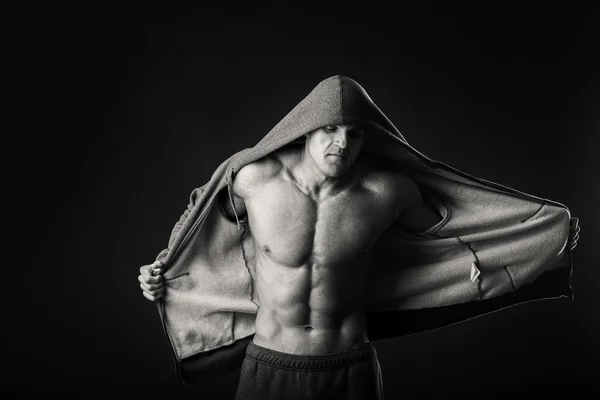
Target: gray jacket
[493, 247]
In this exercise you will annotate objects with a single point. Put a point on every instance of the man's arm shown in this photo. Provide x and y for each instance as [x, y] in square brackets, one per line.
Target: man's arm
[245, 181]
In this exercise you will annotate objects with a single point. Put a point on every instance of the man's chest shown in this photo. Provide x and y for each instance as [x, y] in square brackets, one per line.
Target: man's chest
[293, 229]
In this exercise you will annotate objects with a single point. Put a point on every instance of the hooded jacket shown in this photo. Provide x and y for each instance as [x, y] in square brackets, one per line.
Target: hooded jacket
[492, 248]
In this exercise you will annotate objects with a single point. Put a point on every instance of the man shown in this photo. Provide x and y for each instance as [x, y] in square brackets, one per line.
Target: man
[315, 212]
[310, 211]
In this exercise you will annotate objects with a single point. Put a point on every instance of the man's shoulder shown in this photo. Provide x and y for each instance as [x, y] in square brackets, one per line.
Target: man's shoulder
[264, 169]
[384, 177]
[258, 171]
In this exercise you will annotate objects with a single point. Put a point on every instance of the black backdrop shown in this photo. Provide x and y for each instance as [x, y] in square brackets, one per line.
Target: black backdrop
[148, 101]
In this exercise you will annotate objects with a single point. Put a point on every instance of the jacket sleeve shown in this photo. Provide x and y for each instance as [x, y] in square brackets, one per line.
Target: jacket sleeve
[194, 196]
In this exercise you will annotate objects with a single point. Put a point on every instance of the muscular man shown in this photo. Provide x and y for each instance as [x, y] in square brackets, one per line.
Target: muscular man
[315, 212]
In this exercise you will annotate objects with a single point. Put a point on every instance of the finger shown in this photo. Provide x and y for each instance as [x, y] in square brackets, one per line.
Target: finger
[145, 270]
[575, 228]
[156, 267]
[152, 289]
[150, 279]
[152, 295]
[573, 225]
[574, 233]
[149, 297]
[146, 286]
[157, 293]
[152, 298]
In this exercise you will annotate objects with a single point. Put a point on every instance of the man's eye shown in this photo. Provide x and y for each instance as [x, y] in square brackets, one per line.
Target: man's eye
[330, 129]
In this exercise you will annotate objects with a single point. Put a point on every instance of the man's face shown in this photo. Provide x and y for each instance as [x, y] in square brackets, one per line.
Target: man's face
[335, 147]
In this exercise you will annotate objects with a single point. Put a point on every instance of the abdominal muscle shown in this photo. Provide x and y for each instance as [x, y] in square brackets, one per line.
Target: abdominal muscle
[312, 309]
[311, 262]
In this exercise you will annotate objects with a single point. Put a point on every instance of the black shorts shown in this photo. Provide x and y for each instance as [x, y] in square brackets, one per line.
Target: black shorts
[273, 375]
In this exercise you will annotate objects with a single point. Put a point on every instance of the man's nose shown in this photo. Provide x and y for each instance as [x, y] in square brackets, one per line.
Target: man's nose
[341, 139]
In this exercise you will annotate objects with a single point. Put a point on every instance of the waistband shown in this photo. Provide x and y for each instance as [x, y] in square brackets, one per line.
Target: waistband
[302, 362]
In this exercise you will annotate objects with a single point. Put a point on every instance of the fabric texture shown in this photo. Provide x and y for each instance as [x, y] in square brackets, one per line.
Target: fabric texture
[493, 246]
[271, 375]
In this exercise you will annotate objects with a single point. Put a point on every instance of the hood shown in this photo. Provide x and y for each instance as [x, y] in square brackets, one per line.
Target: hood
[337, 100]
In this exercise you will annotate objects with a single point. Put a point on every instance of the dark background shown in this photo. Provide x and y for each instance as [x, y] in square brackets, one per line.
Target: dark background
[144, 104]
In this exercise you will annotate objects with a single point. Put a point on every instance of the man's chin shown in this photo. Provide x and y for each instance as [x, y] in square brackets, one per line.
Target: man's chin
[337, 168]
[337, 172]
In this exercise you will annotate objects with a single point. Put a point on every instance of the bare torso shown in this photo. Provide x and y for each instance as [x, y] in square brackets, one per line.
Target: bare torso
[312, 253]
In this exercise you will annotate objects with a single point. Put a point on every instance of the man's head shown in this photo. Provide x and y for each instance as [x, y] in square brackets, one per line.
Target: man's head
[334, 148]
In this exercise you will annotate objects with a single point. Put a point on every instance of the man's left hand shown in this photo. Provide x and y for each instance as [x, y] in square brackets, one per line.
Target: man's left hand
[574, 232]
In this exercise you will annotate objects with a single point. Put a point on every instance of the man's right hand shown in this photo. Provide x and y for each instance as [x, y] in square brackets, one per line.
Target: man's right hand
[151, 284]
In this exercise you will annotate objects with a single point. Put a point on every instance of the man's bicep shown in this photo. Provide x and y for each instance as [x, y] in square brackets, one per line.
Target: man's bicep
[249, 176]
[247, 180]
[241, 184]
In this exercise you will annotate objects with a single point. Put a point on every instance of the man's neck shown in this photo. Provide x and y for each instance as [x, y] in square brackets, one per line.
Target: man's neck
[313, 182]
